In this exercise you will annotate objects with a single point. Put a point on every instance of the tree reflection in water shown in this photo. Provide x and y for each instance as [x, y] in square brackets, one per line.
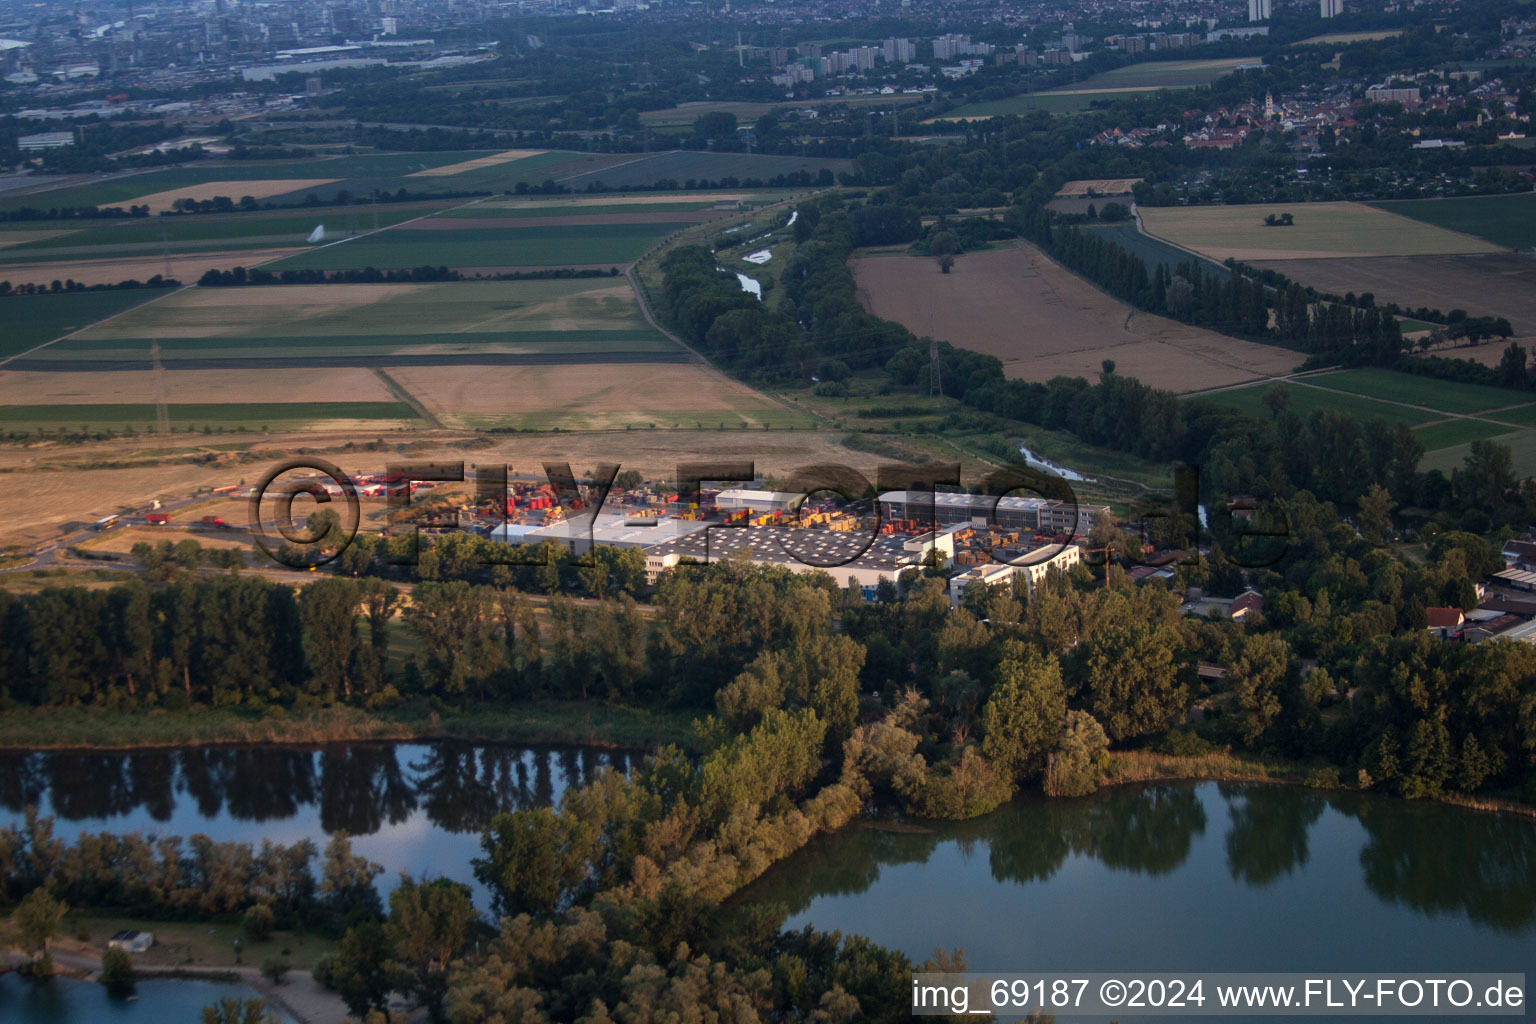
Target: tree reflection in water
[1268, 837]
[1440, 861]
[1436, 858]
[359, 787]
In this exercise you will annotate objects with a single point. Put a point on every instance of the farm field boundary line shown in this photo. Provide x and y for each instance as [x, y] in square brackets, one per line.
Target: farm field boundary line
[174, 291]
[393, 387]
[365, 361]
[1307, 379]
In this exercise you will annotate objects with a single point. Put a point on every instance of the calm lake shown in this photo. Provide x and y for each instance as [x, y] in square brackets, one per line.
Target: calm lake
[1184, 877]
[62, 1001]
[1200, 876]
[412, 807]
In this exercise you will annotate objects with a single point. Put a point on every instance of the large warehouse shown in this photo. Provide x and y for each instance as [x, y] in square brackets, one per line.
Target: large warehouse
[1042, 515]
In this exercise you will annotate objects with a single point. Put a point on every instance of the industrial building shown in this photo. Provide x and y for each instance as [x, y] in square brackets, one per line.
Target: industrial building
[580, 534]
[1033, 567]
[1041, 515]
[852, 559]
[740, 499]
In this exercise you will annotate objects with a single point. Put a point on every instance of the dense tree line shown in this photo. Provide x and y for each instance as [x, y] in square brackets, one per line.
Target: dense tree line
[196, 878]
[69, 285]
[237, 277]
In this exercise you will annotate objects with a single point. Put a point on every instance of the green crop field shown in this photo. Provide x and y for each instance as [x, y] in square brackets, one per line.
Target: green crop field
[1051, 102]
[1430, 392]
[682, 166]
[1107, 86]
[359, 175]
[1152, 250]
[233, 231]
[1507, 220]
[1166, 74]
[389, 167]
[1451, 433]
[580, 317]
[1303, 400]
[1521, 445]
[256, 415]
[570, 343]
[326, 314]
[524, 208]
[31, 320]
[1523, 416]
[553, 246]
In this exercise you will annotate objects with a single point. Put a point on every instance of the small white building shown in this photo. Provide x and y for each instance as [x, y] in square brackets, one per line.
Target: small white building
[737, 498]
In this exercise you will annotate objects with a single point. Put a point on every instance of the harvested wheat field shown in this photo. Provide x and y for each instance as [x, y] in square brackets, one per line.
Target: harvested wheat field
[1043, 321]
[590, 396]
[1497, 284]
[1489, 353]
[137, 268]
[256, 188]
[195, 387]
[1097, 186]
[1320, 230]
[233, 312]
[493, 160]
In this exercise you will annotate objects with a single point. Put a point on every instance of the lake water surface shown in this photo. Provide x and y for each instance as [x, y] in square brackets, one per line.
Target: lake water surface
[417, 808]
[1172, 877]
[65, 1001]
[1184, 877]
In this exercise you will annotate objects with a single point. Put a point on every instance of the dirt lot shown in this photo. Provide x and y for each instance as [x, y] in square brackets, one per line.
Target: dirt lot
[1497, 284]
[1320, 230]
[506, 157]
[53, 491]
[121, 541]
[592, 396]
[1098, 186]
[1043, 321]
[186, 269]
[130, 387]
[236, 190]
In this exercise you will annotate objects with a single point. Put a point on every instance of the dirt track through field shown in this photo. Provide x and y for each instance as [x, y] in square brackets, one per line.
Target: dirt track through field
[506, 157]
[1042, 321]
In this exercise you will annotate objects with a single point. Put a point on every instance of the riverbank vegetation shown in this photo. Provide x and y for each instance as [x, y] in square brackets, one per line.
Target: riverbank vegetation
[590, 724]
